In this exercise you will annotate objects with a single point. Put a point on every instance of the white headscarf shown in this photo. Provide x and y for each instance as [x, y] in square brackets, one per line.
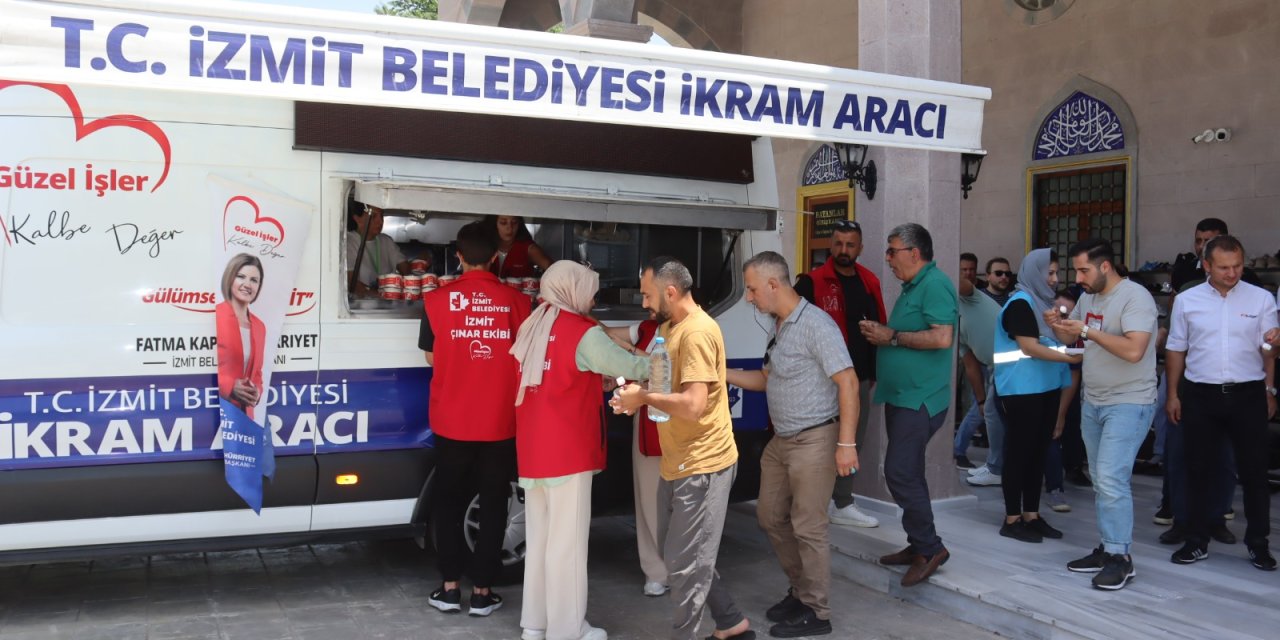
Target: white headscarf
[566, 285]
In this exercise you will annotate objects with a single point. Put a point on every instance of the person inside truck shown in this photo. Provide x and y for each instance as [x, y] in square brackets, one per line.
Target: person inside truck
[518, 254]
[381, 254]
[240, 368]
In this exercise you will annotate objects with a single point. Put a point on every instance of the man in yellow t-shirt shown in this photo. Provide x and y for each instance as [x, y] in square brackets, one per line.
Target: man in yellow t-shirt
[699, 457]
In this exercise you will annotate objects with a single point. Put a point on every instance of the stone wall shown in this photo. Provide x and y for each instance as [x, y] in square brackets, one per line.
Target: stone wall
[815, 31]
[1181, 67]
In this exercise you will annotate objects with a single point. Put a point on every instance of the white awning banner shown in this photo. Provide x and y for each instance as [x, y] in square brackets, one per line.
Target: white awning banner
[253, 50]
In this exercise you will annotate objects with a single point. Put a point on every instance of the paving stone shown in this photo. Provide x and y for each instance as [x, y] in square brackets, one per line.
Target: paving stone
[95, 631]
[333, 614]
[180, 609]
[184, 629]
[109, 612]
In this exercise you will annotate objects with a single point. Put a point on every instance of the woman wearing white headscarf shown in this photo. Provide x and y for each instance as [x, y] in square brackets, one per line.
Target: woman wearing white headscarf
[560, 445]
[1031, 368]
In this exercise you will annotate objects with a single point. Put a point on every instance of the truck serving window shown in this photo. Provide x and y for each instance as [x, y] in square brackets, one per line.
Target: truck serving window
[617, 251]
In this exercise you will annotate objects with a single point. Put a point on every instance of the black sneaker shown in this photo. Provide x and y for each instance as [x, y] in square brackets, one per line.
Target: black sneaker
[1091, 563]
[484, 604]
[1222, 534]
[1020, 531]
[1189, 553]
[1177, 534]
[1261, 558]
[805, 623]
[1041, 527]
[962, 462]
[1117, 571]
[446, 600]
[788, 608]
[1164, 516]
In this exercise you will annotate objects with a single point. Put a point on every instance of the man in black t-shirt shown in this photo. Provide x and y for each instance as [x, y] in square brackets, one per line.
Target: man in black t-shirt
[849, 293]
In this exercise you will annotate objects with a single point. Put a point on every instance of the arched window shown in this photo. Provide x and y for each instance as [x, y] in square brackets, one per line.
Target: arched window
[1080, 179]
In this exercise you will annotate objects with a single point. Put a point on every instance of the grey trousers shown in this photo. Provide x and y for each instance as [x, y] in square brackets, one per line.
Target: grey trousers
[909, 432]
[691, 514]
[843, 492]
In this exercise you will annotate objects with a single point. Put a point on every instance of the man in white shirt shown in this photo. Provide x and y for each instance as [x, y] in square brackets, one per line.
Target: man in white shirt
[381, 255]
[1227, 393]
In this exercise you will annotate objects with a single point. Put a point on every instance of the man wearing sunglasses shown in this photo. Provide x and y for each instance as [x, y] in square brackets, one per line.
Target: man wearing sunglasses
[915, 362]
[999, 280]
[849, 293]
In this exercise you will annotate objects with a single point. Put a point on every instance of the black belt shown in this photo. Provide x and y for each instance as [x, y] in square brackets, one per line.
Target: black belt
[828, 421]
[1230, 387]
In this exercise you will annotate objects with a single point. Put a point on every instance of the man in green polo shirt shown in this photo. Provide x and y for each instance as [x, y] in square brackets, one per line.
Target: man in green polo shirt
[914, 365]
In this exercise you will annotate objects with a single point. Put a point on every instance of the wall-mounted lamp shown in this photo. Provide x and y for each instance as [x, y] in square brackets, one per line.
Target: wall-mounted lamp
[861, 172]
[970, 165]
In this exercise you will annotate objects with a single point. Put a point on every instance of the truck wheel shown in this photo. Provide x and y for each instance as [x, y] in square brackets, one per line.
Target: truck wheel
[513, 541]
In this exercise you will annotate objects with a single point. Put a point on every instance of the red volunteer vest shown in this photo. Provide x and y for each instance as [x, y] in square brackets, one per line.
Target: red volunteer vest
[560, 424]
[517, 263]
[473, 391]
[649, 444]
[829, 295]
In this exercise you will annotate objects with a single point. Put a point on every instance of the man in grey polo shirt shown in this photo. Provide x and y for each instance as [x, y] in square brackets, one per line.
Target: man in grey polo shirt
[813, 402]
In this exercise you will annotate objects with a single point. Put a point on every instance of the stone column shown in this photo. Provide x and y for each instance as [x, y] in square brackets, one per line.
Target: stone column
[921, 39]
[613, 19]
[485, 12]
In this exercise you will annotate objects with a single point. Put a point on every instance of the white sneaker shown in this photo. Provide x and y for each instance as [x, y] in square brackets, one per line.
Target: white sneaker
[975, 471]
[655, 589]
[851, 515]
[594, 633]
[1057, 501]
[984, 479]
[533, 634]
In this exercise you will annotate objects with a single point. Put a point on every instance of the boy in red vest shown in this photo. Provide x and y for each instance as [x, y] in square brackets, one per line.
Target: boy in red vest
[467, 335]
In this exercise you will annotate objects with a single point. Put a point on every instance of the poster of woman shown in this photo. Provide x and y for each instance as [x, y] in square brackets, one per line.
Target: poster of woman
[260, 232]
[241, 334]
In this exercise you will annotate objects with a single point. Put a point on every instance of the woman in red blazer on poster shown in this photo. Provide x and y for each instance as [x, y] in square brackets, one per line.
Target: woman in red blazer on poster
[240, 369]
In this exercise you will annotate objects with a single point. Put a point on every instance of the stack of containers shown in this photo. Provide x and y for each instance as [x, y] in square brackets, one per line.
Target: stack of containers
[391, 286]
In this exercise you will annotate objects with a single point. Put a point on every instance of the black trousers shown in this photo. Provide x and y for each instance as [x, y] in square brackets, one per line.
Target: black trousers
[463, 470]
[909, 432]
[1028, 428]
[1071, 440]
[1238, 415]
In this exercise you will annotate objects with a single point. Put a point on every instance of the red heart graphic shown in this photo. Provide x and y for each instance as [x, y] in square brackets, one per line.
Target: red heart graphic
[258, 219]
[84, 129]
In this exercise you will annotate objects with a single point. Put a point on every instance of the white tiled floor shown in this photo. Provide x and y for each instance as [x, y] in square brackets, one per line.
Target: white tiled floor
[1024, 590]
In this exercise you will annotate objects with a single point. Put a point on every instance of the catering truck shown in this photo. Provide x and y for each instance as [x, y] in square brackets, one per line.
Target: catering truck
[143, 139]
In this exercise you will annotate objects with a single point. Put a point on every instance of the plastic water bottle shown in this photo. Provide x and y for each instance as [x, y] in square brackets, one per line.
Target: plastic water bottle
[659, 377]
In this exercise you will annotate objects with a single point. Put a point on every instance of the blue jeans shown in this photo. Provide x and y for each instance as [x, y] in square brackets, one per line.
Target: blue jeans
[1161, 420]
[1112, 436]
[995, 427]
[1053, 471]
[964, 435]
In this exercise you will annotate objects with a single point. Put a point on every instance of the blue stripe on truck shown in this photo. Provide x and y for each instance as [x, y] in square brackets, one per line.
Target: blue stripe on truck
[72, 422]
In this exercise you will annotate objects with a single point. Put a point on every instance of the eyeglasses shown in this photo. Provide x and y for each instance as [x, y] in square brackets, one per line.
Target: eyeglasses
[1001, 274]
[890, 252]
[848, 225]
